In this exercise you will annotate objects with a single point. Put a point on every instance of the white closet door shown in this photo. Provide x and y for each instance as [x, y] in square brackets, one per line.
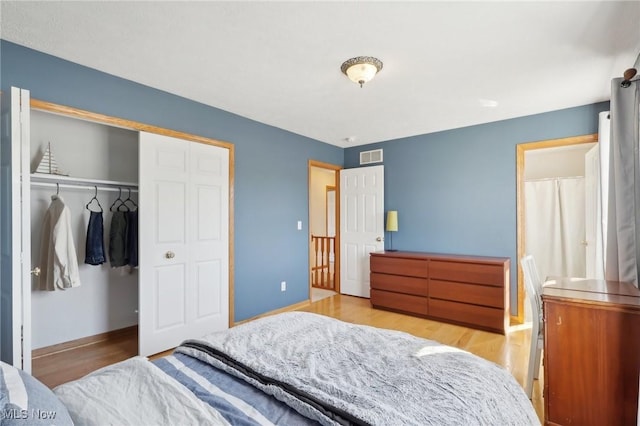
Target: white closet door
[184, 256]
[361, 226]
[15, 289]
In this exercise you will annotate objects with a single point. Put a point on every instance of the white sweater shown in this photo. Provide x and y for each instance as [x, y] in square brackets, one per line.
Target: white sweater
[58, 259]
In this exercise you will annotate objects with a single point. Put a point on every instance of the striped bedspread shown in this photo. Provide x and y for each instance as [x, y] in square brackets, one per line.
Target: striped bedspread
[341, 373]
[174, 390]
[239, 403]
[301, 369]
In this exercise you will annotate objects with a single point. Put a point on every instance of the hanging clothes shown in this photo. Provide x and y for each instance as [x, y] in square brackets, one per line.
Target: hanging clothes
[58, 259]
[118, 240]
[94, 252]
[132, 238]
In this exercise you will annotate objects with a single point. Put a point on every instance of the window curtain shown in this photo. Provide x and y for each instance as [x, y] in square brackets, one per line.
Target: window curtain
[555, 225]
[622, 243]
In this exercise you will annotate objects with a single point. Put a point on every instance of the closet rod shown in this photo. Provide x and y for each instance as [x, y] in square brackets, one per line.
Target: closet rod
[91, 187]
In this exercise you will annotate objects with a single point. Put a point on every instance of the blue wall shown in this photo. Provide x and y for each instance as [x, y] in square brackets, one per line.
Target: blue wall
[271, 190]
[455, 191]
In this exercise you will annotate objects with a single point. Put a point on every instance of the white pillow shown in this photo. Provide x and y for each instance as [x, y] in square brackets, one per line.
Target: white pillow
[25, 400]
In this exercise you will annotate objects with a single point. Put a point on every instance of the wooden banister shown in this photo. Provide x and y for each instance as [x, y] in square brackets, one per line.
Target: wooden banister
[322, 268]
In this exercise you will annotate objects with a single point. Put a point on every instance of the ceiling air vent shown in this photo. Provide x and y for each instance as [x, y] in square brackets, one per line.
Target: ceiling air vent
[369, 157]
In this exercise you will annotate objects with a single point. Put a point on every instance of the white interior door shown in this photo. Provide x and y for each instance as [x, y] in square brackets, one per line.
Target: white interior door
[594, 260]
[361, 225]
[184, 241]
[20, 231]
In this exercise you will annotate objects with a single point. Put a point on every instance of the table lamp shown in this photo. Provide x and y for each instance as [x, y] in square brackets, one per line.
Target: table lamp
[392, 226]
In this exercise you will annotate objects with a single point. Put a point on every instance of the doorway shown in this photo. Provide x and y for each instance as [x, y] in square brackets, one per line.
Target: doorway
[324, 254]
[523, 155]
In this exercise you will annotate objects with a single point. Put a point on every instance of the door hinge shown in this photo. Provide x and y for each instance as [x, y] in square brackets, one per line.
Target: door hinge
[22, 347]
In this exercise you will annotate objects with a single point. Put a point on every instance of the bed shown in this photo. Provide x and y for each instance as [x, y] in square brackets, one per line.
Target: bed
[300, 369]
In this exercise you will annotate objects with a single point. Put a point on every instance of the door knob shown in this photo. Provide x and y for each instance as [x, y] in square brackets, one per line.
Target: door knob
[379, 239]
[169, 255]
[35, 271]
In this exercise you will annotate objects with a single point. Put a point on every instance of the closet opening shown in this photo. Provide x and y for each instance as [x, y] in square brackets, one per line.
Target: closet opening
[183, 287]
[76, 160]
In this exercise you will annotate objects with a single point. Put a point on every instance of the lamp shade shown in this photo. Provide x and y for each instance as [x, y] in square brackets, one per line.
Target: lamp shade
[361, 73]
[361, 69]
[392, 221]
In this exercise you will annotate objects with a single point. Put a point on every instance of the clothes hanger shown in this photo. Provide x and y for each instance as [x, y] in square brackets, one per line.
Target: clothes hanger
[135, 206]
[95, 197]
[116, 202]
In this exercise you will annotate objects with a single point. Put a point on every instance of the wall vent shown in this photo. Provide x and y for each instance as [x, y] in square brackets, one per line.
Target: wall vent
[369, 157]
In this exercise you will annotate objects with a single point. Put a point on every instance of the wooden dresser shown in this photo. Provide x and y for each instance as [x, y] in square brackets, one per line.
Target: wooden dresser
[591, 352]
[469, 290]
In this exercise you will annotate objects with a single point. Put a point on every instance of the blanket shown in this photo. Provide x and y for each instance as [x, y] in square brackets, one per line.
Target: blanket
[134, 392]
[340, 373]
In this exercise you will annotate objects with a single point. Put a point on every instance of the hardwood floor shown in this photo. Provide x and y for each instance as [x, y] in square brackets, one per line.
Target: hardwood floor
[510, 351]
[70, 364]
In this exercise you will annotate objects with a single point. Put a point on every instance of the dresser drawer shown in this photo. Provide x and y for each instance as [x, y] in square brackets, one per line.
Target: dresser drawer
[478, 316]
[400, 302]
[400, 284]
[467, 293]
[399, 266]
[468, 272]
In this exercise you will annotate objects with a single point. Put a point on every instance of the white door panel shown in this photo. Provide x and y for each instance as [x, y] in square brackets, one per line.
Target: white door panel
[361, 224]
[184, 275]
[593, 219]
[20, 231]
[209, 246]
[209, 287]
[171, 198]
[170, 309]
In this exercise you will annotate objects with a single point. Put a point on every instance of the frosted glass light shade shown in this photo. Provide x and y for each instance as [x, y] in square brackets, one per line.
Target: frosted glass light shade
[392, 221]
[361, 69]
[361, 73]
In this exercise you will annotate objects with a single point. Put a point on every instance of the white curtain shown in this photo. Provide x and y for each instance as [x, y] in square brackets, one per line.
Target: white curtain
[622, 238]
[555, 225]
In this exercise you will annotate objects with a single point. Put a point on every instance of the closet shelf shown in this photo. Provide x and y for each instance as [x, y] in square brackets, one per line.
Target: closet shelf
[40, 179]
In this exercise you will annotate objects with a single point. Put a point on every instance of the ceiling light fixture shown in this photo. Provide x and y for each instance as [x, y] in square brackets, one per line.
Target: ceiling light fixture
[361, 69]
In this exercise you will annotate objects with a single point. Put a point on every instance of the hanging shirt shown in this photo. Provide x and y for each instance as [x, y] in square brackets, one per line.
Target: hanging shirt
[118, 254]
[132, 238]
[58, 259]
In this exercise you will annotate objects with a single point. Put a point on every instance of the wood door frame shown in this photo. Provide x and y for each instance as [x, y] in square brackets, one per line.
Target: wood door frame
[521, 149]
[336, 181]
[137, 126]
[327, 189]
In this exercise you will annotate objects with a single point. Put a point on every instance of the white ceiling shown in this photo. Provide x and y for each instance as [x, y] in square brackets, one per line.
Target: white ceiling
[445, 63]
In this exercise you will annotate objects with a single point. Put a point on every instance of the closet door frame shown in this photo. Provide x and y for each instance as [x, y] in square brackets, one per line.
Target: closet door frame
[39, 105]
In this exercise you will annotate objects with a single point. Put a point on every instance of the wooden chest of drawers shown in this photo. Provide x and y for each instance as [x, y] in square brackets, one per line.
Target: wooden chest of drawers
[591, 352]
[467, 290]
